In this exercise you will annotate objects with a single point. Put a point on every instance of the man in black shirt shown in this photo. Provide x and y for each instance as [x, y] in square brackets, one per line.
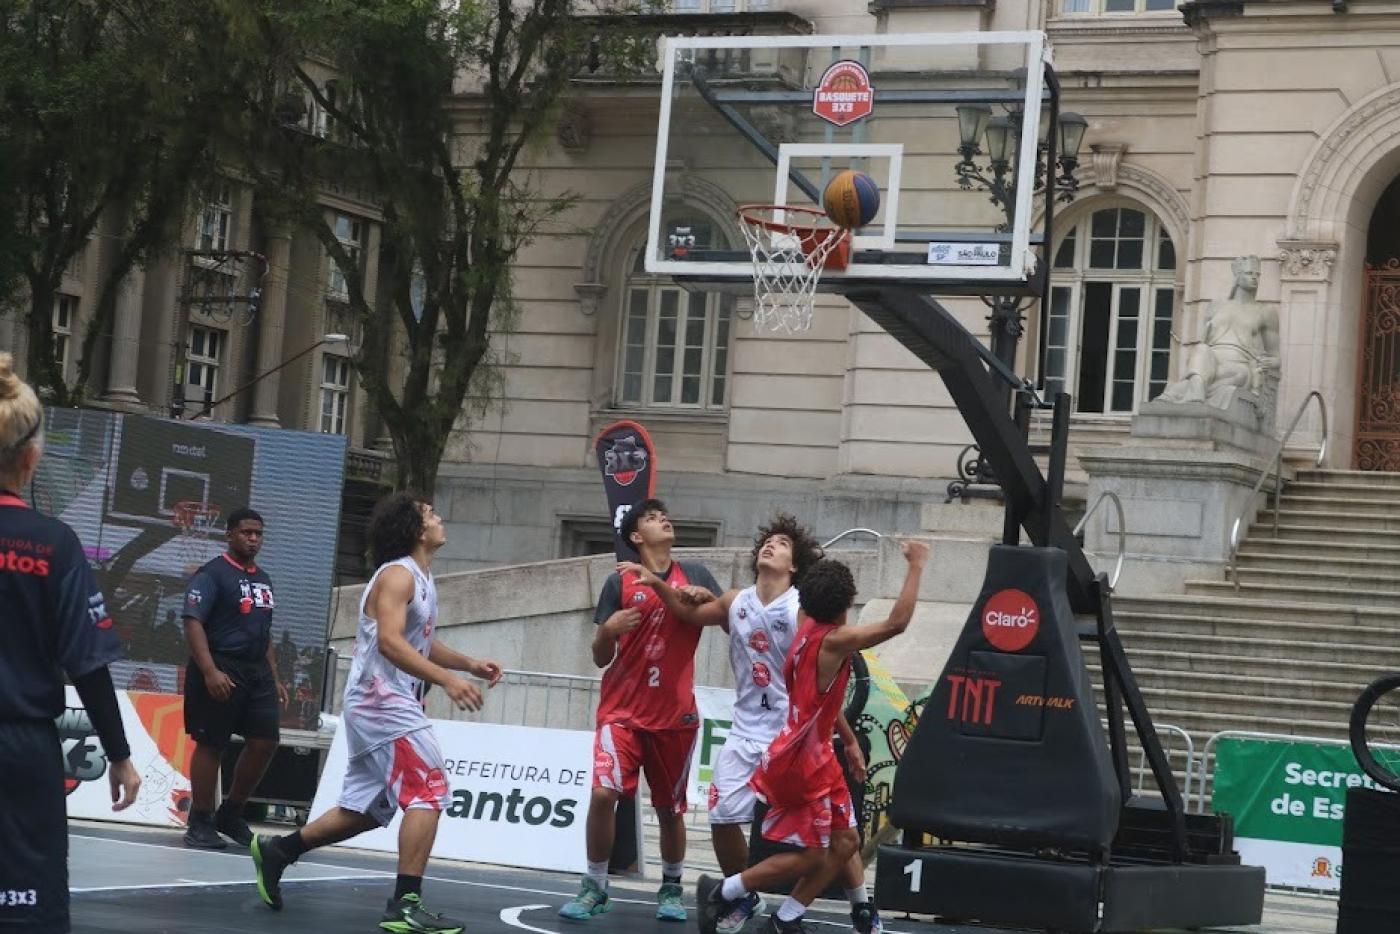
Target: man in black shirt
[53, 621]
[230, 684]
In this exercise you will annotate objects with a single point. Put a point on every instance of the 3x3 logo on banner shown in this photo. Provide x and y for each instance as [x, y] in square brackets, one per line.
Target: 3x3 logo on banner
[627, 462]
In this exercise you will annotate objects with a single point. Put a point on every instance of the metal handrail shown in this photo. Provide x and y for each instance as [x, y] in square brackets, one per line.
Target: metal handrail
[1278, 485]
[849, 532]
[1122, 532]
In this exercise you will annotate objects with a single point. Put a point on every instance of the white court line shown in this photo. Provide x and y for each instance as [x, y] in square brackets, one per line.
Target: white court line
[244, 857]
[190, 884]
[511, 916]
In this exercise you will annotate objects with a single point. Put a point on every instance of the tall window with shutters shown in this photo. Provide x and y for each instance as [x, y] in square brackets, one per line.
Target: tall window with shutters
[350, 231]
[673, 348]
[1106, 325]
[335, 393]
[65, 312]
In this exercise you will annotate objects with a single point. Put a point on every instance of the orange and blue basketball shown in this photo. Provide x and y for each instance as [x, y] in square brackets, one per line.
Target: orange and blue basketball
[851, 199]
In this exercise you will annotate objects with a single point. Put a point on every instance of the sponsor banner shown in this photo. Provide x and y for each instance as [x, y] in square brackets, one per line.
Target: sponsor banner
[716, 706]
[627, 461]
[1288, 800]
[964, 254]
[160, 750]
[1296, 865]
[519, 795]
[883, 729]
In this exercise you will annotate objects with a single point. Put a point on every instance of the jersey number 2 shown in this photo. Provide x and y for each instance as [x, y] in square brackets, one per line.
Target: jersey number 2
[653, 677]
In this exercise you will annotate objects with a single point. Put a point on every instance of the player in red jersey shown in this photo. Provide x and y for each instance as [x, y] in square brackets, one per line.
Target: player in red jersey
[800, 777]
[762, 622]
[647, 719]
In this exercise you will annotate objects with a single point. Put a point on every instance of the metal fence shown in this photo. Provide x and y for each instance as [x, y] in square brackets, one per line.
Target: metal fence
[521, 698]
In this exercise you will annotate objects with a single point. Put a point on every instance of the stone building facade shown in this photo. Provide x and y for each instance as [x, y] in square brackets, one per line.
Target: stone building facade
[1220, 129]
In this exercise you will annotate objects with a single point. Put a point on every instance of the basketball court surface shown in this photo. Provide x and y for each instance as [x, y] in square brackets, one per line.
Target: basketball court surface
[146, 882]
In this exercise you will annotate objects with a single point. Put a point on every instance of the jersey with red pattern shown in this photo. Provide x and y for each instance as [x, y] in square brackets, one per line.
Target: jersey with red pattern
[650, 683]
[800, 765]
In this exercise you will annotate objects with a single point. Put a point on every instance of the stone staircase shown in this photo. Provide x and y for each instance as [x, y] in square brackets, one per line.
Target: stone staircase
[1316, 617]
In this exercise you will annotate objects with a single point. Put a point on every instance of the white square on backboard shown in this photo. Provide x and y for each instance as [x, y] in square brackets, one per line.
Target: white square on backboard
[894, 152]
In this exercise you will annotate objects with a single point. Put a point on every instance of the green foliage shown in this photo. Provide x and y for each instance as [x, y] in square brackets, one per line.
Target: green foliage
[116, 112]
[108, 124]
[430, 111]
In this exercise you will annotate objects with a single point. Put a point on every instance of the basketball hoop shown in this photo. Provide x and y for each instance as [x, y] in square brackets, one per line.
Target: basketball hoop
[196, 521]
[788, 260]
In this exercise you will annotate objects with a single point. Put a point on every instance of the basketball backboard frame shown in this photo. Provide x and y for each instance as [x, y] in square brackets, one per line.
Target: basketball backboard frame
[877, 258]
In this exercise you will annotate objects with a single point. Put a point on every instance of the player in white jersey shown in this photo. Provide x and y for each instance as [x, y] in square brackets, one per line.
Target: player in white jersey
[761, 621]
[395, 761]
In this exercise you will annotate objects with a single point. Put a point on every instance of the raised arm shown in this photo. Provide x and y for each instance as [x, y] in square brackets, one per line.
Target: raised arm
[848, 640]
[714, 612]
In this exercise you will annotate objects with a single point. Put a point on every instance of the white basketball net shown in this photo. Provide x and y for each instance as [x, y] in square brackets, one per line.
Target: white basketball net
[788, 260]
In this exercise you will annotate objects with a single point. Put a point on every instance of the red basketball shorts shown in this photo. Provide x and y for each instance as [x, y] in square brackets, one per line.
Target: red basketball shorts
[620, 753]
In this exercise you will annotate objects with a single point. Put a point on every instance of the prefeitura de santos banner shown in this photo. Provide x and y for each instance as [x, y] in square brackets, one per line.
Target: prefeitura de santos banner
[1288, 800]
[519, 795]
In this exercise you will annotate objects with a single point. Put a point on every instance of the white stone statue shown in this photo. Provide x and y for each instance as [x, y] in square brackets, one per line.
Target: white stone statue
[1237, 351]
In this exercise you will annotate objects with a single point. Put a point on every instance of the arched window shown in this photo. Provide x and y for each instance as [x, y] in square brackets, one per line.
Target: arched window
[673, 346]
[1105, 333]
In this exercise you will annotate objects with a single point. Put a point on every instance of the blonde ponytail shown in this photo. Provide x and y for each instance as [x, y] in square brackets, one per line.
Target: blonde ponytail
[20, 416]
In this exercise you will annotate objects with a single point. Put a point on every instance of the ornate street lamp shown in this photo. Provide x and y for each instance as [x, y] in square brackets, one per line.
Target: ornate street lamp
[998, 138]
[1001, 137]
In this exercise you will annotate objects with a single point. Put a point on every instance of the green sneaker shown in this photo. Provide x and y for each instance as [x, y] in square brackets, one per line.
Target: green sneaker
[268, 865]
[669, 906]
[591, 900]
[407, 915]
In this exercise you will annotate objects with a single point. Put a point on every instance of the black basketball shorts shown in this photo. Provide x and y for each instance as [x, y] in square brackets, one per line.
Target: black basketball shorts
[33, 829]
[252, 710]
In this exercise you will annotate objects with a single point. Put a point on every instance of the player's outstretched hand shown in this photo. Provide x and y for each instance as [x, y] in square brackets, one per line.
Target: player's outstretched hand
[643, 574]
[126, 782]
[915, 552]
[464, 694]
[486, 670]
[696, 595]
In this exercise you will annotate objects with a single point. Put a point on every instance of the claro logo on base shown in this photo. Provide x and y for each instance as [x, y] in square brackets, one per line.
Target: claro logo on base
[1010, 619]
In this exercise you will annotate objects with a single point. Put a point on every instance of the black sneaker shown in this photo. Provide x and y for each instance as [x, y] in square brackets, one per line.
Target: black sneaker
[865, 919]
[710, 905]
[201, 835]
[407, 915]
[229, 822]
[776, 926]
[268, 864]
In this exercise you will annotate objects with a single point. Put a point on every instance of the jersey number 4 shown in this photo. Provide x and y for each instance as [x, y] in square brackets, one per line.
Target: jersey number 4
[763, 702]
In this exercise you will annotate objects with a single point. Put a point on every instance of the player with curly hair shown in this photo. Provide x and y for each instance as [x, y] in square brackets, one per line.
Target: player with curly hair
[395, 761]
[799, 776]
[762, 621]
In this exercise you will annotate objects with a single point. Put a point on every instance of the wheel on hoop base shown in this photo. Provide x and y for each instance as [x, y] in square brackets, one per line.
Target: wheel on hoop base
[1375, 731]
